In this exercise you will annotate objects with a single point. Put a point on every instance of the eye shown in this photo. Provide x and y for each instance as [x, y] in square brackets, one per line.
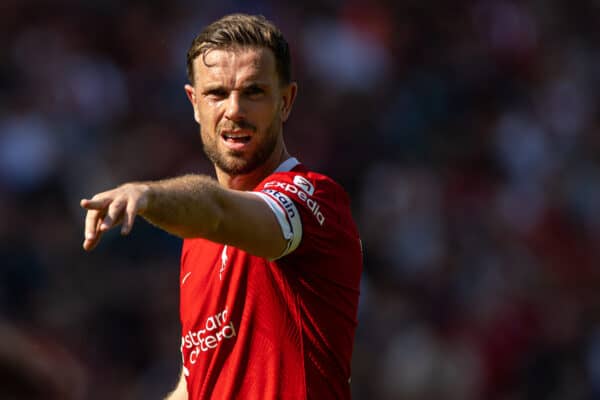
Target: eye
[254, 91]
[216, 94]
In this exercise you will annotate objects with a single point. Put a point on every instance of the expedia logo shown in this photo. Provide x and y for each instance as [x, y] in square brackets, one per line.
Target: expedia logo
[304, 184]
[301, 193]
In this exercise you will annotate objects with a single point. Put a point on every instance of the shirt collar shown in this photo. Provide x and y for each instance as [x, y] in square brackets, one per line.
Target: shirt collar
[287, 165]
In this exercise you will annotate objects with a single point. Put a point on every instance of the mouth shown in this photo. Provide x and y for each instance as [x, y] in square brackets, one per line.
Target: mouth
[236, 140]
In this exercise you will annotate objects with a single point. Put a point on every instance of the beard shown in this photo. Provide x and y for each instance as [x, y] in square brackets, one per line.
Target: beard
[233, 162]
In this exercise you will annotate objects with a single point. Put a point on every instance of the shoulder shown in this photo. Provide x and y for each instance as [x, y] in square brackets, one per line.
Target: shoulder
[311, 192]
[303, 183]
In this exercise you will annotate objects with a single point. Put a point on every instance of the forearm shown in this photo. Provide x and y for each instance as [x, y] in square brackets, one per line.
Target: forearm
[186, 206]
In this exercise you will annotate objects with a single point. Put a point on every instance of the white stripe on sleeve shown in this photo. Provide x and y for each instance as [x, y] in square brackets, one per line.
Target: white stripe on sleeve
[288, 217]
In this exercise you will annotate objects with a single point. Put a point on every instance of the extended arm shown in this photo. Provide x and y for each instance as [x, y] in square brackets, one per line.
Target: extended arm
[187, 206]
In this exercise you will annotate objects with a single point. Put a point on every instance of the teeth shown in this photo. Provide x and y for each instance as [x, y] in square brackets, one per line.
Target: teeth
[235, 136]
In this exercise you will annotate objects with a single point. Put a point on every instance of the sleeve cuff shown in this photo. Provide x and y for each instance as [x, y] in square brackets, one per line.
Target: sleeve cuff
[288, 217]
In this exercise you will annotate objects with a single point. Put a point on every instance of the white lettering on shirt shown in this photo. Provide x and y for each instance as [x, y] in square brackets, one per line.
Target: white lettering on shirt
[214, 331]
[272, 187]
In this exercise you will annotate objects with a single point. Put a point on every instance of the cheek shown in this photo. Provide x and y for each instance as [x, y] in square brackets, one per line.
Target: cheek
[206, 133]
[207, 113]
[267, 115]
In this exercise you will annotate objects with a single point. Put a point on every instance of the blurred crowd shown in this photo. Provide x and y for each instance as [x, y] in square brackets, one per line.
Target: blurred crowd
[467, 133]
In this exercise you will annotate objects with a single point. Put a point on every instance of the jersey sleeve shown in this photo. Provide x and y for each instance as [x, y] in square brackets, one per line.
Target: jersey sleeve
[288, 217]
[304, 205]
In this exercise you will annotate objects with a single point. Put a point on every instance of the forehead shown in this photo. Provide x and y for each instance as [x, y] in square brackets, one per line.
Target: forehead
[235, 65]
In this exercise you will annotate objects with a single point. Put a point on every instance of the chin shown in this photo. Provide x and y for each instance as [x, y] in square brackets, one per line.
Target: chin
[236, 167]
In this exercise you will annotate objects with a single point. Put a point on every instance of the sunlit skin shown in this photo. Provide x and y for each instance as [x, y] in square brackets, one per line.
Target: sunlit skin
[241, 105]
[237, 92]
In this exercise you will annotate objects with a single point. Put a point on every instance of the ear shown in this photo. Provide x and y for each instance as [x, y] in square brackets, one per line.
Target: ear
[288, 94]
[191, 95]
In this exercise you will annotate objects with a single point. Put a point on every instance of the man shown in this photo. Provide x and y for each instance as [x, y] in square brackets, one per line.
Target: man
[271, 259]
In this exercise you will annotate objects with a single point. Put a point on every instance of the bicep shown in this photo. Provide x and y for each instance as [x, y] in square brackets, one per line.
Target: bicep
[248, 222]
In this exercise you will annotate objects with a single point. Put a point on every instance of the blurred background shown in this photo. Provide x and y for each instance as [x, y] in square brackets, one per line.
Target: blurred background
[467, 133]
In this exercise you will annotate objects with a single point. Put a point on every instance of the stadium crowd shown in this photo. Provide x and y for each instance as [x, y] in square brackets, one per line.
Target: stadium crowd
[466, 132]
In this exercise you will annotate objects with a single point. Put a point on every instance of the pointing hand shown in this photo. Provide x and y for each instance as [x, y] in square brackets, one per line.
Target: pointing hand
[111, 208]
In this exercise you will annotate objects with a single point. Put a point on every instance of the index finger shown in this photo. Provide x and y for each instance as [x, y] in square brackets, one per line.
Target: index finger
[91, 204]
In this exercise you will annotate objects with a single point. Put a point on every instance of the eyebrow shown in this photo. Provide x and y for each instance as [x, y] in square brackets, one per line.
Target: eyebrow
[219, 86]
[212, 86]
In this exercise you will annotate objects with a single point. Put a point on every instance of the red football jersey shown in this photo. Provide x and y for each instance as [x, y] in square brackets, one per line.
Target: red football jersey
[259, 329]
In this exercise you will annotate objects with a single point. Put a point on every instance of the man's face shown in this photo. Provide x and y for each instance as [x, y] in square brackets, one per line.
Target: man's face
[240, 106]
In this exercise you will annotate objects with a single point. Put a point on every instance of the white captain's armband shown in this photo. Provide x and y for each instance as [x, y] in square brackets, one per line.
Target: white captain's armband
[287, 215]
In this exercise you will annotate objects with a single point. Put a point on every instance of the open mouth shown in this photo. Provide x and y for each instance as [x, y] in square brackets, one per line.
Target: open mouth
[236, 138]
[236, 141]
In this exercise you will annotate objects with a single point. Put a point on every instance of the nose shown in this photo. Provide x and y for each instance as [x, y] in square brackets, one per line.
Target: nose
[235, 109]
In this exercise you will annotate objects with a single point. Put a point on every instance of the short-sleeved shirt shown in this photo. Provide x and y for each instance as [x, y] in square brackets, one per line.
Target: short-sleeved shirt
[260, 329]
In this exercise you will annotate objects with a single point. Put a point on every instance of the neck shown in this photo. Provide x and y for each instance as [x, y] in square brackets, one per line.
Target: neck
[250, 180]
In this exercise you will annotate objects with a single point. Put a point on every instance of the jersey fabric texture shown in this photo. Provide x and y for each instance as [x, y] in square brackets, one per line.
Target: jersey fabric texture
[259, 329]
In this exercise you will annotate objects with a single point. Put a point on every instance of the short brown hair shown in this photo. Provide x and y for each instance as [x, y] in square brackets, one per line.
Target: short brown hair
[242, 30]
